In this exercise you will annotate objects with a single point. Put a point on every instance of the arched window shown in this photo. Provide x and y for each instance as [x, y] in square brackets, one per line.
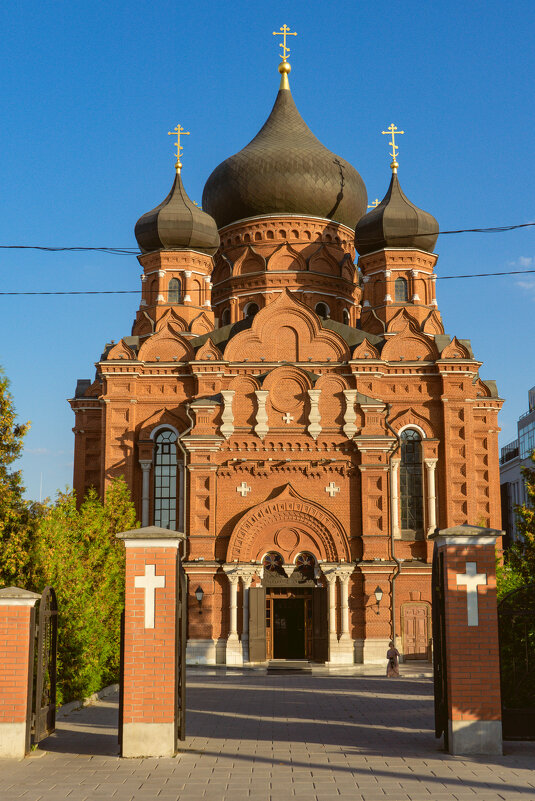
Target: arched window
[401, 290]
[165, 469]
[225, 316]
[273, 562]
[322, 310]
[411, 483]
[173, 292]
[250, 310]
[345, 317]
[305, 564]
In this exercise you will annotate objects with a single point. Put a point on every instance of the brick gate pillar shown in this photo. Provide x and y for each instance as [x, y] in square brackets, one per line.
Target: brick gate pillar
[16, 670]
[472, 647]
[151, 642]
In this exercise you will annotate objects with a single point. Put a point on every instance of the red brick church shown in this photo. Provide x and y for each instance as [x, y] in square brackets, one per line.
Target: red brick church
[305, 421]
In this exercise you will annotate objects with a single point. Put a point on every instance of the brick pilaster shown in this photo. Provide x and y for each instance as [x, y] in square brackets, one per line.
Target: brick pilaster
[472, 646]
[16, 670]
[151, 642]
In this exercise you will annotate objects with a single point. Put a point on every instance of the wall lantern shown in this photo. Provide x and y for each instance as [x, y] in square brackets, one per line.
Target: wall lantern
[199, 594]
[378, 597]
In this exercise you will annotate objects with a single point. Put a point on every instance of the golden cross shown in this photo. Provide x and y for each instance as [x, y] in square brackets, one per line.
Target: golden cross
[285, 31]
[179, 130]
[392, 129]
[374, 204]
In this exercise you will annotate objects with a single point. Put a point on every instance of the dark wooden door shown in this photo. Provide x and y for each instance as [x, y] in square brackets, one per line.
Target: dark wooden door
[257, 624]
[320, 626]
[415, 631]
[289, 628]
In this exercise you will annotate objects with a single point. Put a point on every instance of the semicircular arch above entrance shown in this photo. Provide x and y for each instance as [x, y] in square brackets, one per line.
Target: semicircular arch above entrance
[288, 523]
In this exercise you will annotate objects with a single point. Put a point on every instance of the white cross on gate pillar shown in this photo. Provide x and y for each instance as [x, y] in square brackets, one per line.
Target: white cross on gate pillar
[243, 489]
[287, 417]
[472, 580]
[150, 582]
[332, 489]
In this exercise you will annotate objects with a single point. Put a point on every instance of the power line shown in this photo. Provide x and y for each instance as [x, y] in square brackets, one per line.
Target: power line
[138, 291]
[135, 251]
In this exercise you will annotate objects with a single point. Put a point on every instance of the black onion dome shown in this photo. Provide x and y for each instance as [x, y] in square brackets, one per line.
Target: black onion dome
[177, 223]
[285, 170]
[396, 223]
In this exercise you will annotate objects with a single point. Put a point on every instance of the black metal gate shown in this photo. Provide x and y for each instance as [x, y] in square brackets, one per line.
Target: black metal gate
[44, 693]
[516, 622]
[439, 648]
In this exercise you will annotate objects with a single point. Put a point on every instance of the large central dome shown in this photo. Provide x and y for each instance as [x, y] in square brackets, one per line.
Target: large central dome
[285, 170]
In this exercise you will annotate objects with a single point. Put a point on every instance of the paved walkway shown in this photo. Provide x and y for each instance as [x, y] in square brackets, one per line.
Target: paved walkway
[275, 738]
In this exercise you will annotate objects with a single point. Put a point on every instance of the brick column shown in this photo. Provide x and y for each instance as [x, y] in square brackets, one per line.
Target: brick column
[151, 642]
[16, 670]
[472, 647]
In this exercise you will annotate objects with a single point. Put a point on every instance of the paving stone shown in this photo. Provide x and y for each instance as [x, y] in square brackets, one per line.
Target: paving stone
[273, 738]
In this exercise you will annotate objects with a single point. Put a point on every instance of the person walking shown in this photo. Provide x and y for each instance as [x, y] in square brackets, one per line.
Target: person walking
[392, 667]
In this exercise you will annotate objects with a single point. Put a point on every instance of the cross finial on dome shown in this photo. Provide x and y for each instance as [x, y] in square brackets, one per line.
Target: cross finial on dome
[392, 129]
[374, 204]
[284, 66]
[178, 132]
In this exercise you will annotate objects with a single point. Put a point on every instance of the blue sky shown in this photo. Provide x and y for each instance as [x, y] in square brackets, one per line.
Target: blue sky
[90, 89]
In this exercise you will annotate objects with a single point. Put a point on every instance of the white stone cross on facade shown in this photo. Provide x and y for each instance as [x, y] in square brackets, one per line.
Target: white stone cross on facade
[332, 489]
[472, 580]
[243, 489]
[287, 417]
[150, 582]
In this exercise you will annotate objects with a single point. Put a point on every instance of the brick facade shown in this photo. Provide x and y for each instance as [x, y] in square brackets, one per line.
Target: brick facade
[16, 669]
[149, 707]
[472, 647]
[288, 417]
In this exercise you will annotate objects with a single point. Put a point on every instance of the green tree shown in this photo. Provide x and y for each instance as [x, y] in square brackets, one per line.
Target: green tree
[519, 566]
[18, 518]
[76, 552]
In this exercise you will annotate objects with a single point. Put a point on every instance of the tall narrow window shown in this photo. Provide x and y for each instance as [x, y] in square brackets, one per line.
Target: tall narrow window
[165, 468]
[401, 290]
[345, 317]
[225, 317]
[173, 291]
[411, 483]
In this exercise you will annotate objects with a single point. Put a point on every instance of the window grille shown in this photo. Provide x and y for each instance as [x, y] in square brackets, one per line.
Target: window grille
[401, 290]
[165, 470]
[411, 483]
[173, 292]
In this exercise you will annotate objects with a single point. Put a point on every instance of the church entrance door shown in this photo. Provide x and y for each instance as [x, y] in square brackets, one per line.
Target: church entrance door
[289, 628]
[288, 623]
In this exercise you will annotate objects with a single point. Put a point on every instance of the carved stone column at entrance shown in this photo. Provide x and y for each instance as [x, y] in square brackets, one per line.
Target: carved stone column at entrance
[145, 491]
[234, 649]
[329, 570]
[345, 650]
[430, 466]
